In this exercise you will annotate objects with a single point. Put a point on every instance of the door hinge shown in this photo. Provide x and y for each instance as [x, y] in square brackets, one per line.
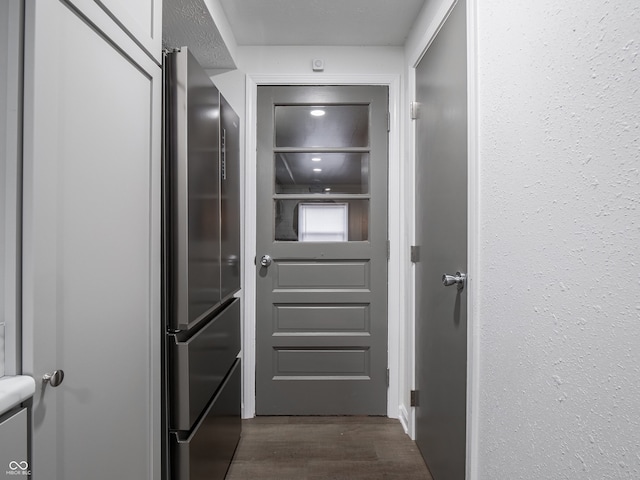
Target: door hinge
[388, 121]
[414, 398]
[387, 377]
[415, 253]
[414, 110]
[388, 249]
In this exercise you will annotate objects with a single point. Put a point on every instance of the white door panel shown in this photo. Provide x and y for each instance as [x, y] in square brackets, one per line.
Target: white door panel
[140, 19]
[91, 250]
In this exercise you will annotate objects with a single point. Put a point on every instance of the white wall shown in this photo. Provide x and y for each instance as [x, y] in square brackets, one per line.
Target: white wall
[559, 279]
[232, 86]
[337, 60]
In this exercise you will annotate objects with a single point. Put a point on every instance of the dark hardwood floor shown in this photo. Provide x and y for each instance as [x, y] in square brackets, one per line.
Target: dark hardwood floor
[314, 448]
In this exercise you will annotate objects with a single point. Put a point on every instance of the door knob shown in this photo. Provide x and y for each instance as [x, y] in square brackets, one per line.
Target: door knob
[54, 379]
[265, 261]
[458, 279]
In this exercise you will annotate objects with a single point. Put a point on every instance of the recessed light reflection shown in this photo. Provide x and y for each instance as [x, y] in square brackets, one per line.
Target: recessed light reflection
[316, 159]
[317, 169]
[317, 113]
[327, 189]
[212, 113]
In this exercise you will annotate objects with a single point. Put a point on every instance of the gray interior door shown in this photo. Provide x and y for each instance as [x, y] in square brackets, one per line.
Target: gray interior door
[321, 237]
[441, 229]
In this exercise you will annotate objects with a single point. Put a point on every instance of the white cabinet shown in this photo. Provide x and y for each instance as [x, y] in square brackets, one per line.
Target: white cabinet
[14, 459]
[140, 19]
[91, 241]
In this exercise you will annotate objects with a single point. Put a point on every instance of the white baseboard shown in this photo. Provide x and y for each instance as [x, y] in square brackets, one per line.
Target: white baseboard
[404, 419]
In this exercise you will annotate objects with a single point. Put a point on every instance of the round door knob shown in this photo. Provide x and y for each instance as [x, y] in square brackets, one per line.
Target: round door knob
[265, 261]
[458, 279]
[54, 379]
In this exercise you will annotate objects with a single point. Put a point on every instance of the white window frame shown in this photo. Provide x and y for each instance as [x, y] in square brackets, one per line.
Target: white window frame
[308, 234]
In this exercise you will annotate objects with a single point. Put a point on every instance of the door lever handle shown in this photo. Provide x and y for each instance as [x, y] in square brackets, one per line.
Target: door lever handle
[458, 279]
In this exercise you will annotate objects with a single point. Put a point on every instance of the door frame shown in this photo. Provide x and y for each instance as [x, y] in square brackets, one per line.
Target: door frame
[413, 55]
[396, 307]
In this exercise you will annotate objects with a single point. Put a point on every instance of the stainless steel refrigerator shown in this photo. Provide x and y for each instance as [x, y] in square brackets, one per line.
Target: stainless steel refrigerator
[201, 273]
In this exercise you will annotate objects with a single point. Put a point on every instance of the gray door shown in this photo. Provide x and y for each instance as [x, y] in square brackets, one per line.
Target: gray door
[441, 229]
[322, 229]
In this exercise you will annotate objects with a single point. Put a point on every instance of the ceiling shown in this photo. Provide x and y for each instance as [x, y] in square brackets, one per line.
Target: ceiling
[321, 22]
[286, 22]
[189, 22]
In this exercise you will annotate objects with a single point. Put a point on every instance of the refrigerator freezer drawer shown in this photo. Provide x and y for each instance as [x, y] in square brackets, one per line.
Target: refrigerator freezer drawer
[200, 364]
[206, 453]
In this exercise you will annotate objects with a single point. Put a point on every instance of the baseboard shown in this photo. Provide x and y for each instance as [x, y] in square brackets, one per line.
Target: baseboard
[404, 419]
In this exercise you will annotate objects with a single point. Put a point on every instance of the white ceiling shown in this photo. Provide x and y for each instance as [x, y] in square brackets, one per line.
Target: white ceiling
[321, 22]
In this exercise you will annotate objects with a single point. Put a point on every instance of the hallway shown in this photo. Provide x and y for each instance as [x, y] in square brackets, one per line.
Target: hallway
[314, 448]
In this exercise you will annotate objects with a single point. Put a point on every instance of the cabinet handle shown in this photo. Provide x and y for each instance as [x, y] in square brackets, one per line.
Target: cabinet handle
[223, 154]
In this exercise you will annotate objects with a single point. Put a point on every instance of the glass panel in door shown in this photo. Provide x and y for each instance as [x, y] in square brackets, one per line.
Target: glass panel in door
[321, 170]
[287, 218]
[322, 126]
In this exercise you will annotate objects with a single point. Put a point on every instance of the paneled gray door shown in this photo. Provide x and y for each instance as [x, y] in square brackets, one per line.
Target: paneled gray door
[321, 243]
[441, 229]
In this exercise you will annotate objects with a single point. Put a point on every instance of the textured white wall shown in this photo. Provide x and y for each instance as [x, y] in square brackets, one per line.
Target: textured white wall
[559, 276]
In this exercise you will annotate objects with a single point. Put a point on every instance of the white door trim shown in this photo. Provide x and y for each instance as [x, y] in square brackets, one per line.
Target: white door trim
[395, 226]
[11, 198]
[473, 214]
[473, 243]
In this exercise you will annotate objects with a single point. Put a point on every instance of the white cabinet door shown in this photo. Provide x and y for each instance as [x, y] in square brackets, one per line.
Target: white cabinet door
[14, 454]
[91, 276]
[141, 19]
